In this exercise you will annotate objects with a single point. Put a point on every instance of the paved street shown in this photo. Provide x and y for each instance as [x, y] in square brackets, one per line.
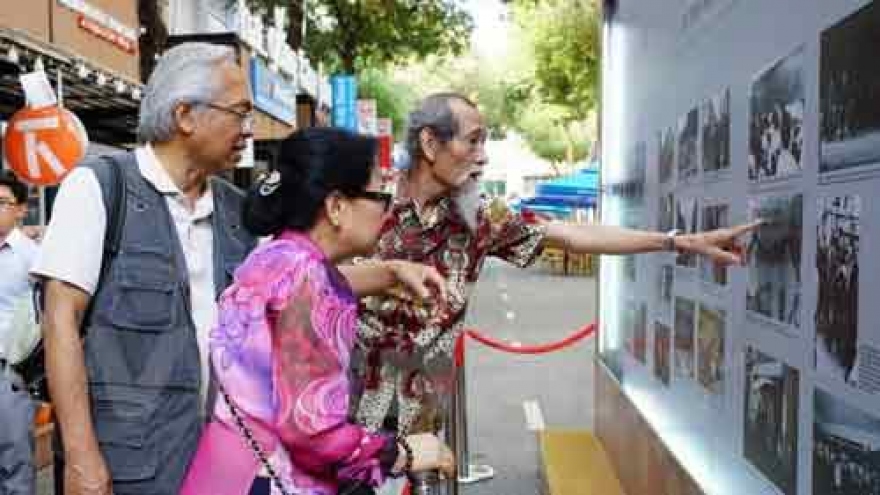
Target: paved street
[529, 306]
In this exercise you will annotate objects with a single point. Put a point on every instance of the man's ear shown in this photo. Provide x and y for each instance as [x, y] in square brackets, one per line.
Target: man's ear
[185, 118]
[428, 143]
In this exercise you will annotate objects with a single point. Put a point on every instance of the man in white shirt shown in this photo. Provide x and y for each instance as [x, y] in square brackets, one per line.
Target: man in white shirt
[130, 400]
[17, 253]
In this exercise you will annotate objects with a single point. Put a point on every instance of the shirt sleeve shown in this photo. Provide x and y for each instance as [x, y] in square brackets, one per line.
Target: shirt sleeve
[73, 244]
[513, 238]
[312, 391]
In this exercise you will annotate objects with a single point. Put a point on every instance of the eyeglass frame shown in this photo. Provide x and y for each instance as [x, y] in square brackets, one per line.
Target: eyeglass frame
[6, 204]
[246, 118]
[386, 198]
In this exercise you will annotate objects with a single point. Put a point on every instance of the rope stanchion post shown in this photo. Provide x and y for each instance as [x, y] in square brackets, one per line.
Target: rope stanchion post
[457, 433]
[460, 422]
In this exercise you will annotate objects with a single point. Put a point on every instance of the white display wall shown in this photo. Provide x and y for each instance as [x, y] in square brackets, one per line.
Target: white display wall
[760, 379]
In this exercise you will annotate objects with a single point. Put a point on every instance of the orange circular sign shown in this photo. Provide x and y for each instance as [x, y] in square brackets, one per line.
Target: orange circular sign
[43, 144]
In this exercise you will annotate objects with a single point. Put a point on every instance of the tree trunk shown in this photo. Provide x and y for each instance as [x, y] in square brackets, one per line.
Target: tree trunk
[153, 40]
[348, 57]
[295, 22]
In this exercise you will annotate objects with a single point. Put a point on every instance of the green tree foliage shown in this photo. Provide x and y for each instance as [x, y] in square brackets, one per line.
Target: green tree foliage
[553, 136]
[564, 35]
[348, 35]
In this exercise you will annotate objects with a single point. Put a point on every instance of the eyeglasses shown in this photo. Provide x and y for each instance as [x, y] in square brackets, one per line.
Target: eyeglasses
[6, 203]
[378, 196]
[245, 118]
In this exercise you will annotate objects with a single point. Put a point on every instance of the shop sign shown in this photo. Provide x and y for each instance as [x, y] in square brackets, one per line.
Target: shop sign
[269, 41]
[106, 34]
[367, 115]
[103, 25]
[344, 112]
[272, 93]
[42, 145]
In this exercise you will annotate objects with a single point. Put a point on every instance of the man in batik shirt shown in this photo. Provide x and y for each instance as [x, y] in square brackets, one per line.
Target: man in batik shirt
[403, 357]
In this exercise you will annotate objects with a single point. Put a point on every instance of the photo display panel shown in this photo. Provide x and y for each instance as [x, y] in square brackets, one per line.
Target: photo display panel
[762, 378]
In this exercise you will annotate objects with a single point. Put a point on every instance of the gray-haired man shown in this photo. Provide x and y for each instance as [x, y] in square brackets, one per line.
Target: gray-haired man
[130, 397]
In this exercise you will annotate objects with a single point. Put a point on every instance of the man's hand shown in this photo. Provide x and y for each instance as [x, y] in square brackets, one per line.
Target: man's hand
[419, 279]
[720, 245]
[87, 474]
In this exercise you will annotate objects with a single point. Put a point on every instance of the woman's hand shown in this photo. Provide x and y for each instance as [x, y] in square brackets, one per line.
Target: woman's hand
[429, 454]
[419, 280]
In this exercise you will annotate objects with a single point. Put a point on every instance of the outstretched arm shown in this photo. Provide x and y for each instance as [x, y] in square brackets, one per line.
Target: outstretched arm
[720, 245]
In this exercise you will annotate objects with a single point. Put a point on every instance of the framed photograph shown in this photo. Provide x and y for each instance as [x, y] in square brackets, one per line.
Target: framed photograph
[776, 135]
[683, 341]
[773, 255]
[838, 243]
[688, 160]
[711, 325]
[771, 419]
[666, 154]
[662, 352]
[849, 93]
[846, 447]
[715, 124]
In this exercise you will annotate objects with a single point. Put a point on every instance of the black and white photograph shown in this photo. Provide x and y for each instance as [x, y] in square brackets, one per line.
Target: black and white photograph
[636, 324]
[686, 211]
[714, 217]
[711, 325]
[846, 448]
[629, 267]
[662, 352]
[773, 255]
[837, 304]
[688, 160]
[770, 441]
[666, 213]
[683, 340]
[849, 92]
[666, 154]
[776, 136]
[715, 124]
[665, 277]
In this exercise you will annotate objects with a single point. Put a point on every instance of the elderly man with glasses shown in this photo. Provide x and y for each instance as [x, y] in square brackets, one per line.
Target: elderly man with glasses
[127, 319]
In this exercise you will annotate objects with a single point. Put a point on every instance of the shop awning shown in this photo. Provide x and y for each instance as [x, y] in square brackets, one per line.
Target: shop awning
[579, 190]
[106, 102]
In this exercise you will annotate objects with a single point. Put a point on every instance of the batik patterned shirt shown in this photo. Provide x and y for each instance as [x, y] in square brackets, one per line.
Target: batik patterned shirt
[404, 348]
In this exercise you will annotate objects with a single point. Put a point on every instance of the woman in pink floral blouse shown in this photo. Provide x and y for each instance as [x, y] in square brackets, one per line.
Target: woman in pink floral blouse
[280, 350]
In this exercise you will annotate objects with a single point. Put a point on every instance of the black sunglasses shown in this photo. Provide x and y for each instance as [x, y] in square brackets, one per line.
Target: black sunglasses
[378, 196]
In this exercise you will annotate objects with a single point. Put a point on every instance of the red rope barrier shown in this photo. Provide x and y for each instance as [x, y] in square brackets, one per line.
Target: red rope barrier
[520, 349]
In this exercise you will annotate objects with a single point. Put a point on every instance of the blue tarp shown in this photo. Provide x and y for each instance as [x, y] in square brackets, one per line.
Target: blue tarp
[578, 190]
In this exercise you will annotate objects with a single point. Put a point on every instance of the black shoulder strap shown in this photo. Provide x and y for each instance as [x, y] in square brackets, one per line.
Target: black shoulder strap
[112, 181]
[115, 208]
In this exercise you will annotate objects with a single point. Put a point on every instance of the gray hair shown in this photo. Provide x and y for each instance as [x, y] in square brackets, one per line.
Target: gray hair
[434, 112]
[186, 73]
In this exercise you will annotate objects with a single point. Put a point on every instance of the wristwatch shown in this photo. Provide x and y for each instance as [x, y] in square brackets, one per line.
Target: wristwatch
[669, 240]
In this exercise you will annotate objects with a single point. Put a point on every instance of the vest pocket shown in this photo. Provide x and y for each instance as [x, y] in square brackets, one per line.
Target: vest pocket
[144, 299]
[122, 429]
[143, 308]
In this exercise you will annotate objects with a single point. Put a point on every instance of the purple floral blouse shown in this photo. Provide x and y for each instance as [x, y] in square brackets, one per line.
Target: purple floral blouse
[281, 352]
